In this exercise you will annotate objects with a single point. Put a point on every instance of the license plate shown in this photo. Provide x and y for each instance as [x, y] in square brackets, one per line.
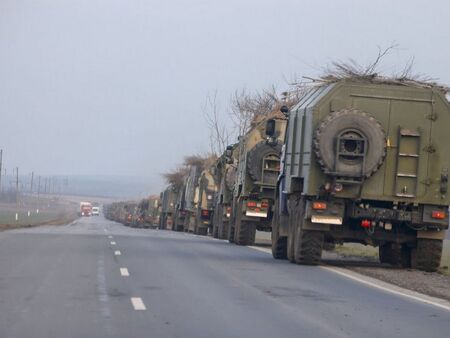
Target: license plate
[326, 219]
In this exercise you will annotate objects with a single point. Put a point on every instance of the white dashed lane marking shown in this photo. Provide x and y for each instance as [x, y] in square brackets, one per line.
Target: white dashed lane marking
[138, 304]
[113, 243]
[117, 253]
[124, 272]
[110, 237]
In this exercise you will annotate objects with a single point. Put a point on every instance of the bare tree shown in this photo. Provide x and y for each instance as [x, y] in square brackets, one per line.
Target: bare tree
[176, 177]
[247, 108]
[220, 134]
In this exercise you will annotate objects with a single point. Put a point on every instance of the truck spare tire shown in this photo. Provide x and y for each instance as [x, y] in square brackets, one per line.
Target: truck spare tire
[355, 134]
[255, 159]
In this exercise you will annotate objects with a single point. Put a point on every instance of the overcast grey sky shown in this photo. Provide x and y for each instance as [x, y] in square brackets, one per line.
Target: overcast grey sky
[116, 86]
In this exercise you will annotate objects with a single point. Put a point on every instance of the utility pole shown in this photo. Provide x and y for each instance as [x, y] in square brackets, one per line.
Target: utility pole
[31, 186]
[17, 193]
[38, 192]
[1, 160]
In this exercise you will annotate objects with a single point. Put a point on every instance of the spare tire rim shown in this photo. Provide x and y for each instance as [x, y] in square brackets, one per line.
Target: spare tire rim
[352, 146]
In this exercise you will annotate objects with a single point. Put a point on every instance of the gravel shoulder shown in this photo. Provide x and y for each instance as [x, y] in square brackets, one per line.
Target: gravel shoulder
[364, 260]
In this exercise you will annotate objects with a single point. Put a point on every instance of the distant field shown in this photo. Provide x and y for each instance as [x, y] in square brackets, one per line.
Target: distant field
[53, 211]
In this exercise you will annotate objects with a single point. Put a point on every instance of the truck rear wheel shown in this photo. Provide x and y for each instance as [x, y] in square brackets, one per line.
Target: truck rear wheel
[306, 244]
[217, 219]
[398, 255]
[230, 233]
[427, 255]
[279, 243]
[215, 231]
[223, 229]
[245, 233]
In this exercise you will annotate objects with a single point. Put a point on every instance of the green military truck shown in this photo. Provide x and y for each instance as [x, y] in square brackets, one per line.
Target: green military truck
[180, 209]
[207, 190]
[168, 200]
[224, 176]
[365, 161]
[256, 178]
[192, 197]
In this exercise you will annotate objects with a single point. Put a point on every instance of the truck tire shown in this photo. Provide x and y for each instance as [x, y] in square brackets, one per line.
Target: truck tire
[279, 243]
[223, 229]
[357, 124]
[307, 244]
[215, 230]
[230, 234]
[427, 255]
[292, 206]
[255, 158]
[244, 232]
[397, 255]
[308, 247]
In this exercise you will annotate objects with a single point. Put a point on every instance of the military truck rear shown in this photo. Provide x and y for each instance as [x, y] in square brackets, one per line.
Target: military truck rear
[180, 209]
[205, 208]
[168, 200]
[192, 196]
[256, 177]
[367, 162]
[225, 175]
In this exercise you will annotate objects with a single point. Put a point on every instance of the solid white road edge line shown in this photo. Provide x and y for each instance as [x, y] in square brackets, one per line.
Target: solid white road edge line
[124, 272]
[138, 304]
[378, 284]
[394, 289]
[117, 253]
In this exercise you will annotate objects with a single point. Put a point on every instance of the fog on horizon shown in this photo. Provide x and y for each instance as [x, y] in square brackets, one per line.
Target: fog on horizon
[113, 87]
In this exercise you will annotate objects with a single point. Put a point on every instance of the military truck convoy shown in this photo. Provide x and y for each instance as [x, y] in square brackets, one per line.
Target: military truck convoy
[360, 160]
[145, 214]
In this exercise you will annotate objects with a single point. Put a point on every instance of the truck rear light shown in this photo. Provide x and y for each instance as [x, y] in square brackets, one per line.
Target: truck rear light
[205, 212]
[365, 223]
[264, 204]
[438, 214]
[319, 205]
[251, 204]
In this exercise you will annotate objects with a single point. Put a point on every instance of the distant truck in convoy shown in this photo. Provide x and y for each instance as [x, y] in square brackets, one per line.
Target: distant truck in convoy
[95, 211]
[192, 199]
[206, 198]
[224, 176]
[365, 160]
[85, 209]
[255, 181]
[168, 201]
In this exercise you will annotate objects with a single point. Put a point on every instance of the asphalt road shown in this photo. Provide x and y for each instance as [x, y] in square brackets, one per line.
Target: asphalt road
[70, 281]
